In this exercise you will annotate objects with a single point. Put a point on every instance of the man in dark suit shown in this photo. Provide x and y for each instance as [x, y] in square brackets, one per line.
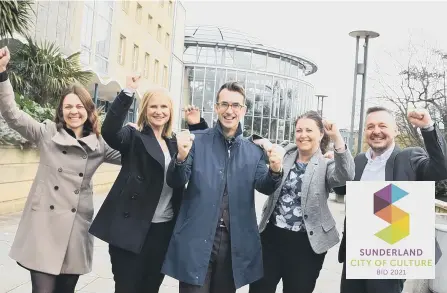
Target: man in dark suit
[385, 161]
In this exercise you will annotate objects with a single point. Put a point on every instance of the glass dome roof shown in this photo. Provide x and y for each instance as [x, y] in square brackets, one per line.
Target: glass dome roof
[214, 33]
[208, 34]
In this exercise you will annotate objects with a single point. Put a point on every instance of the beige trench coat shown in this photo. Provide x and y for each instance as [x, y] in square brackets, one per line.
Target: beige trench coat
[53, 232]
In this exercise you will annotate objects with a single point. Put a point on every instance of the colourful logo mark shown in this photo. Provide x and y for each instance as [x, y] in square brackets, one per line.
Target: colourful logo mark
[384, 209]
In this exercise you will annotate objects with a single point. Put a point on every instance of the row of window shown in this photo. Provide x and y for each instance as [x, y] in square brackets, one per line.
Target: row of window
[244, 59]
[146, 64]
[139, 19]
[126, 5]
[273, 102]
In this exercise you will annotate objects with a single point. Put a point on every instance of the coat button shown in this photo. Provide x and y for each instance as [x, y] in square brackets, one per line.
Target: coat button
[81, 175]
[56, 187]
[84, 156]
[305, 216]
[59, 170]
[311, 233]
[77, 191]
[134, 196]
[73, 210]
[64, 152]
[126, 215]
[139, 177]
[51, 207]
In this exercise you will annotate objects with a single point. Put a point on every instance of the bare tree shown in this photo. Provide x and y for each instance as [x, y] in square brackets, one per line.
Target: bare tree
[420, 82]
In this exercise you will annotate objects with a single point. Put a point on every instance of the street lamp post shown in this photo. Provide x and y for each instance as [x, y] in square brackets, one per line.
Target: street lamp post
[360, 69]
[320, 110]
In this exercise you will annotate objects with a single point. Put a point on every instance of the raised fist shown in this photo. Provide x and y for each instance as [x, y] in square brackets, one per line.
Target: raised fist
[276, 155]
[184, 144]
[132, 82]
[331, 129]
[419, 118]
[4, 58]
[192, 115]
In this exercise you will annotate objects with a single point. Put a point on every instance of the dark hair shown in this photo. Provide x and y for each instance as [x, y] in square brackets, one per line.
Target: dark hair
[232, 86]
[319, 121]
[378, 109]
[92, 121]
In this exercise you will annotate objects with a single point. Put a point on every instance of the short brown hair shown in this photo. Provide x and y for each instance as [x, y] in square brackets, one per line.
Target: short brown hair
[378, 109]
[232, 86]
[142, 115]
[86, 100]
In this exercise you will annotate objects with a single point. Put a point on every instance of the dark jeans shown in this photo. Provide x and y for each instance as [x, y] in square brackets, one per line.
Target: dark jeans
[219, 278]
[46, 283]
[370, 286]
[140, 273]
[287, 255]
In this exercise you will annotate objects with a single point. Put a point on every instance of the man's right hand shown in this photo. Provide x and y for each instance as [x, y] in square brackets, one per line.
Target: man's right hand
[184, 144]
[192, 115]
[4, 58]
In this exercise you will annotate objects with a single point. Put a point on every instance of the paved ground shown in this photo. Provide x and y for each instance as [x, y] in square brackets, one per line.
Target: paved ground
[14, 279]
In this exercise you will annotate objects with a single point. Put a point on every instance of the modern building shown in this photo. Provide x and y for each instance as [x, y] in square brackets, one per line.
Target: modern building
[116, 39]
[276, 92]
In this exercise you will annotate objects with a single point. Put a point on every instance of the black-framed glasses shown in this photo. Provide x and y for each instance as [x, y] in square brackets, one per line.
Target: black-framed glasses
[225, 105]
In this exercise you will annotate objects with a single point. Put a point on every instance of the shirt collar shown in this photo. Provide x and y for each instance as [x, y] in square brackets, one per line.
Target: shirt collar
[383, 157]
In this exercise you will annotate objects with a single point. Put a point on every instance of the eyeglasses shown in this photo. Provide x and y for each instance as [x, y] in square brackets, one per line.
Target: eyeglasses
[225, 105]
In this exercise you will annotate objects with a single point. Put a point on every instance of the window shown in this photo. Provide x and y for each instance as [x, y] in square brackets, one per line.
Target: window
[86, 35]
[162, 3]
[138, 13]
[126, 4]
[149, 23]
[156, 68]
[164, 81]
[122, 50]
[103, 32]
[146, 65]
[159, 33]
[167, 41]
[135, 57]
[170, 8]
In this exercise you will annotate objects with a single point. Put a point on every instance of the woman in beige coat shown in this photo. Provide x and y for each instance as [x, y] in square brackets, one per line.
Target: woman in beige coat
[52, 240]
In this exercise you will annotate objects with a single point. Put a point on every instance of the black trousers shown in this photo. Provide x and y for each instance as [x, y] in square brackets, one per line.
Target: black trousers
[370, 286]
[141, 273]
[219, 277]
[287, 255]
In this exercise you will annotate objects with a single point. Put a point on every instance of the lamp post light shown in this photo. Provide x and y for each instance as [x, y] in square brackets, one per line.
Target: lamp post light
[360, 69]
[320, 110]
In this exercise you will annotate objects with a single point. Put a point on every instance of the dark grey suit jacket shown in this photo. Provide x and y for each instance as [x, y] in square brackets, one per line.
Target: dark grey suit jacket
[409, 164]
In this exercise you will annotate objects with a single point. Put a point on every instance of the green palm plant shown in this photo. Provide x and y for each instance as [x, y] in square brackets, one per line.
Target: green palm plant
[15, 17]
[41, 72]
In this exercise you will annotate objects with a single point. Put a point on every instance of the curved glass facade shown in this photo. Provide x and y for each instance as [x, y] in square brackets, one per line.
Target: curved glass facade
[275, 95]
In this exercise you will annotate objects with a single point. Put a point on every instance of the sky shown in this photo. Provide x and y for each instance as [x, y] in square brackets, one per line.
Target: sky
[320, 30]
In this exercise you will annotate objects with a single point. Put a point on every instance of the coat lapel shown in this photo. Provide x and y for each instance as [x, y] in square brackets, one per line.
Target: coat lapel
[307, 178]
[172, 146]
[64, 139]
[152, 146]
[389, 168]
[289, 160]
[360, 163]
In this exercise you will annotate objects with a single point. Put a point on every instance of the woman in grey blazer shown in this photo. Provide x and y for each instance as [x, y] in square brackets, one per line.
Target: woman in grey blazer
[297, 227]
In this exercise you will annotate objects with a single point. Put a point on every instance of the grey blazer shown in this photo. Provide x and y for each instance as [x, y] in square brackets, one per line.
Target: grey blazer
[321, 176]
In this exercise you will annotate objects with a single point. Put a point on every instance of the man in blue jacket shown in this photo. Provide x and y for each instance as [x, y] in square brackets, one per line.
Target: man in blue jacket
[216, 244]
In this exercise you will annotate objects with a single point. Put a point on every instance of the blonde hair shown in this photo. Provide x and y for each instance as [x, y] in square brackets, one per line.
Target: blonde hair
[142, 113]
